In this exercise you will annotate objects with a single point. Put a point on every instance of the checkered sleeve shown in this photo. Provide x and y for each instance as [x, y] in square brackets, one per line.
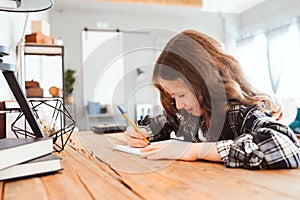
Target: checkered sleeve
[242, 152]
[264, 143]
[158, 127]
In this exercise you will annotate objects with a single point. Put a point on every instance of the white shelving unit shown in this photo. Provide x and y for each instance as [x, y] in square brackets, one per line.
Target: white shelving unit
[44, 64]
[103, 115]
[41, 63]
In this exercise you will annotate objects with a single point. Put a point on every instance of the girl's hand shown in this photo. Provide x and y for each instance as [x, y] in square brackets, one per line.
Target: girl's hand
[134, 139]
[172, 149]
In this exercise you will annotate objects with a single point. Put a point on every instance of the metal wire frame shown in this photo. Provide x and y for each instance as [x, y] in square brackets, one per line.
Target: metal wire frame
[59, 114]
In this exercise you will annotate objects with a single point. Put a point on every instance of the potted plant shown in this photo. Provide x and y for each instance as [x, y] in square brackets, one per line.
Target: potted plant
[69, 78]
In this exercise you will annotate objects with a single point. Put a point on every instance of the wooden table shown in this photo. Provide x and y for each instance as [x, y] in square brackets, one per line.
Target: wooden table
[107, 174]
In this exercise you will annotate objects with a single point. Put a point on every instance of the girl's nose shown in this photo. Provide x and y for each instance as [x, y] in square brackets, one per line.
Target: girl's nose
[179, 104]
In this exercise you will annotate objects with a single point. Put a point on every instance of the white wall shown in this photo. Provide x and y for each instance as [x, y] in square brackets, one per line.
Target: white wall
[69, 23]
[268, 14]
[10, 33]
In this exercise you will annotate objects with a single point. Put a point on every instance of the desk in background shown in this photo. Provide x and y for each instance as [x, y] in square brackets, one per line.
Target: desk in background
[2, 120]
[108, 174]
[6, 107]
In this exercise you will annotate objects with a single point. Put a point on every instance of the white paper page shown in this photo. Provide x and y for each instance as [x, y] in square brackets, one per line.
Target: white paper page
[127, 149]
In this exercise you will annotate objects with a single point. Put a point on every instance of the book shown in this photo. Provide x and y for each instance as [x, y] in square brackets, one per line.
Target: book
[127, 149]
[18, 150]
[42, 165]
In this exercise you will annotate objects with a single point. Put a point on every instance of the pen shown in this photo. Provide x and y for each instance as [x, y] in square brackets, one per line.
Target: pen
[133, 124]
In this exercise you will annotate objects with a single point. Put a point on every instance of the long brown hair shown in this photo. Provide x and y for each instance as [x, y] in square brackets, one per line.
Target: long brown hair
[200, 61]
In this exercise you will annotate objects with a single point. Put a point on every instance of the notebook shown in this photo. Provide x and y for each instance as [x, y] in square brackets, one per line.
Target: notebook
[127, 149]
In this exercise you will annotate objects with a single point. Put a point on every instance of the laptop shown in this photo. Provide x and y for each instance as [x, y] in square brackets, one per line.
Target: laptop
[108, 128]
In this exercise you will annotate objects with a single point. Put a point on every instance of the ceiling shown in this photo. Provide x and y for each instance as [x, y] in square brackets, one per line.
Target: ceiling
[229, 6]
[218, 6]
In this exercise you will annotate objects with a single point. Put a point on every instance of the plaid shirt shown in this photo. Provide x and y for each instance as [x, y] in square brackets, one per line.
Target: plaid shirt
[250, 138]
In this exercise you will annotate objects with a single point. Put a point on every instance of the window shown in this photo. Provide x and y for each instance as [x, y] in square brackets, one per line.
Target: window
[252, 54]
[271, 60]
[289, 48]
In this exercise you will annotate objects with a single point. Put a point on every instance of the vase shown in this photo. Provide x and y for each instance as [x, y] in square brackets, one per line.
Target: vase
[69, 99]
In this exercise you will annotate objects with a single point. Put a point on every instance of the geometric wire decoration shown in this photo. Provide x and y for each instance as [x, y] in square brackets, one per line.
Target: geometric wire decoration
[54, 118]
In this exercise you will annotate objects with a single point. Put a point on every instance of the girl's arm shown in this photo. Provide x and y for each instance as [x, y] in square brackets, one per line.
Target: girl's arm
[158, 127]
[263, 143]
[178, 150]
[265, 148]
[155, 128]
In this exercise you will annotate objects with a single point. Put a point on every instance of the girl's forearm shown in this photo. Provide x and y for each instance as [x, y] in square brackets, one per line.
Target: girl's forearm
[207, 151]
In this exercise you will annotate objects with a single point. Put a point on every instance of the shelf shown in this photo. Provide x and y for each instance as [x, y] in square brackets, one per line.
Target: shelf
[46, 71]
[103, 115]
[42, 49]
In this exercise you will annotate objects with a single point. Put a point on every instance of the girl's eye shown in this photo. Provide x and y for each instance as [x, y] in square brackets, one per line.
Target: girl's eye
[181, 96]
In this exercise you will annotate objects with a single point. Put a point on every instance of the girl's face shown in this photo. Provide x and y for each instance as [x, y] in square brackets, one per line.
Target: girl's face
[184, 97]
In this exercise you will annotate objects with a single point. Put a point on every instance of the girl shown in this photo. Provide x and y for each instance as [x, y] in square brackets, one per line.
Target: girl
[213, 110]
